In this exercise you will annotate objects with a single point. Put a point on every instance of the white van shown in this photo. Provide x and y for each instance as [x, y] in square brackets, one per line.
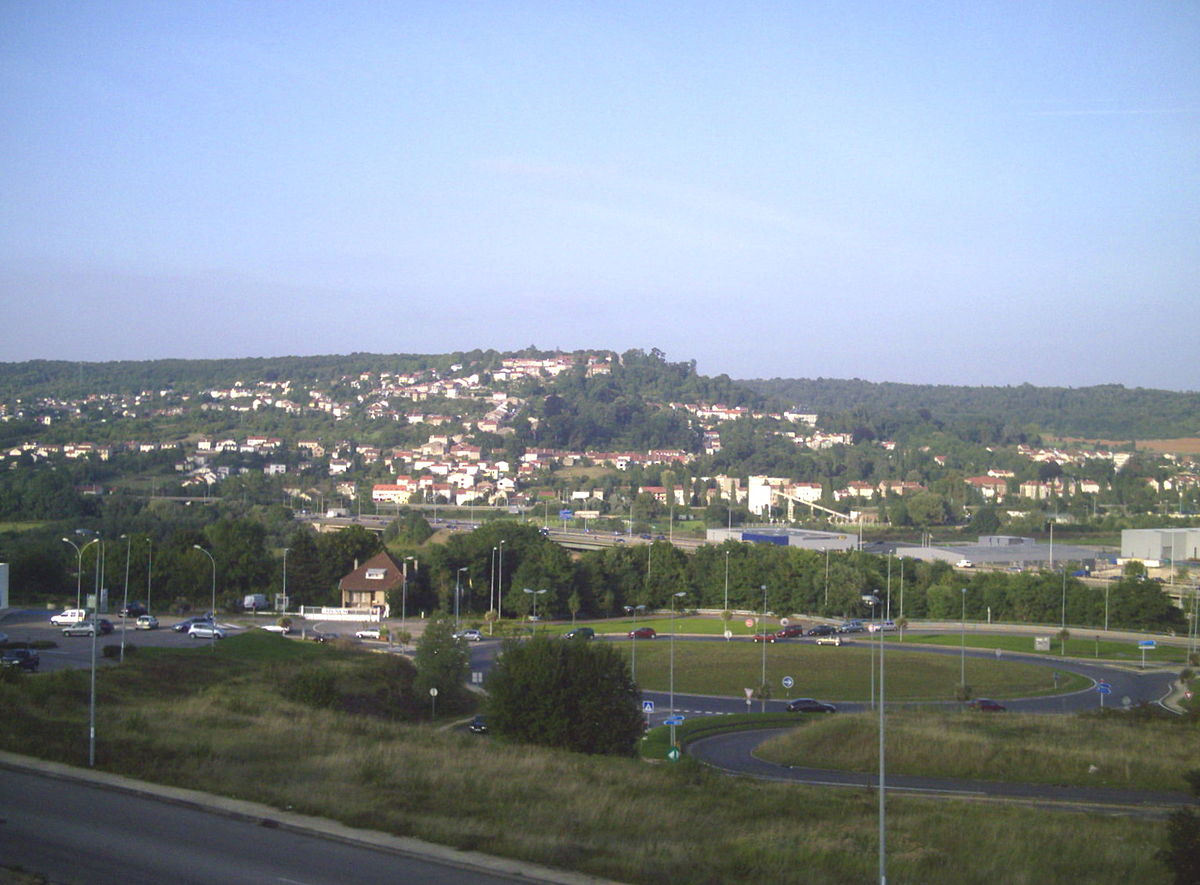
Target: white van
[255, 602]
[68, 617]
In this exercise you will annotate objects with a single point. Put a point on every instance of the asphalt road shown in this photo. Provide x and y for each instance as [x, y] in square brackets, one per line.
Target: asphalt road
[80, 834]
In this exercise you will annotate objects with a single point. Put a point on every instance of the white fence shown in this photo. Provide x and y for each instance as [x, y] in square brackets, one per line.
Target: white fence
[326, 613]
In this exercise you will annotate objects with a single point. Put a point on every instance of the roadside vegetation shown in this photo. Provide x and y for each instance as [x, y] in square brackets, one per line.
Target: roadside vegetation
[218, 720]
[1143, 749]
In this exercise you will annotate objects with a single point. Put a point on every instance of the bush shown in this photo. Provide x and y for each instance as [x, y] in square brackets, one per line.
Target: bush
[314, 686]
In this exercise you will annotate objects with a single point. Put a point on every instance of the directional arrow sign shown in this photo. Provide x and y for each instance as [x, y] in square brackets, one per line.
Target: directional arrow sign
[1104, 688]
[673, 720]
[673, 754]
[1147, 643]
[788, 681]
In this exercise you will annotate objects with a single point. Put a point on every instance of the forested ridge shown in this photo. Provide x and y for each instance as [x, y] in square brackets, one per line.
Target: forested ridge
[1109, 411]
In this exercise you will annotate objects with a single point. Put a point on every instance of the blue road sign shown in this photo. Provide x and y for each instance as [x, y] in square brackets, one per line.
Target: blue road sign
[565, 514]
[1147, 643]
[647, 706]
[1104, 688]
[673, 720]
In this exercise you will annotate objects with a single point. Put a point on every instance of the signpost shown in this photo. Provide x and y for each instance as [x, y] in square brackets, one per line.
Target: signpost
[1144, 644]
[749, 694]
[673, 753]
[788, 682]
[1103, 688]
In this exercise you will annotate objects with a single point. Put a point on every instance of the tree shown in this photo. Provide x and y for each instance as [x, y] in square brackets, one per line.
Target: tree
[572, 695]
[443, 663]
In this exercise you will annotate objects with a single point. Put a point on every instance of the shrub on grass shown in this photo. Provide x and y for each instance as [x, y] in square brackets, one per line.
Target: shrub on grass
[314, 686]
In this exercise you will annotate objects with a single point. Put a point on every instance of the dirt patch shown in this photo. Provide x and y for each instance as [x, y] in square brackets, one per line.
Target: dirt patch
[1187, 445]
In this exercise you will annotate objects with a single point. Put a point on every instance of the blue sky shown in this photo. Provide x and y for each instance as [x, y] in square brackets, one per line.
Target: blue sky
[958, 193]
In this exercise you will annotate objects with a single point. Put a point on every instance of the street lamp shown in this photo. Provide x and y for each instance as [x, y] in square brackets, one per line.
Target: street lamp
[457, 593]
[962, 670]
[535, 594]
[125, 603]
[285, 596]
[874, 601]
[149, 567]
[674, 596]
[404, 592]
[500, 578]
[79, 568]
[634, 609]
[724, 611]
[213, 646]
[762, 632]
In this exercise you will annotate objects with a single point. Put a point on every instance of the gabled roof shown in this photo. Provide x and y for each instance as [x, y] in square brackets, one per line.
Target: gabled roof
[380, 572]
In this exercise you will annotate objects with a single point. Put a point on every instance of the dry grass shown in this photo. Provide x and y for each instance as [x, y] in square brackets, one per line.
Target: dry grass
[1002, 747]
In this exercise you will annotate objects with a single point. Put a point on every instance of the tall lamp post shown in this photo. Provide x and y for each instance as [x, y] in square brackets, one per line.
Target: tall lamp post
[724, 611]
[500, 578]
[762, 631]
[213, 645]
[674, 596]
[125, 600]
[285, 596]
[79, 568]
[634, 609]
[404, 592]
[149, 567]
[874, 601]
[535, 594]
[95, 632]
[962, 642]
[457, 594]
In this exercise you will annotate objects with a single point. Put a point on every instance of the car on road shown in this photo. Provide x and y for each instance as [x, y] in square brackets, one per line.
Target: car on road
[147, 622]
[478, 725]
[821, 630]
[471, 635]
[643, 633]
[790, 632]
[68, 616]
[580, 633]
[763, 637]
[986, 705]
[187, 623]
[20, 658]
[886, 627]
[964, 563]
[368, 633]
[319, 636]
[87, 628]
[855, 626]
[810, 705]
[133, 610]
[831, 639]
[281, 629]
[205, 630]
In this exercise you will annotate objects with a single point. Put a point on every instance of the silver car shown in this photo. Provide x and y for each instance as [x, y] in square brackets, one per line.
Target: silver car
[206, 630]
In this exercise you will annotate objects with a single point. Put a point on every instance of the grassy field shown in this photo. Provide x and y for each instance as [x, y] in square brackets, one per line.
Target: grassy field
[220, 720]
[1109, 750]
[833, 673]
[1078, 646]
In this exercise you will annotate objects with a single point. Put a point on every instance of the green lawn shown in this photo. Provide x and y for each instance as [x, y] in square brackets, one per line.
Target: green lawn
[832, 673]
[1079, 645]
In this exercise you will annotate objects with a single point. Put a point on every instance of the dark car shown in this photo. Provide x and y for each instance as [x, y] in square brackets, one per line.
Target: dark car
[478, 725]
[643, 633]
[185, 625]
[580, 633]
[790, 632]
[319, 636]
[764, 637]
[809, 705]
[133, 610]
[852, 627]
[21, 658]
[986, 705]
[821, 630]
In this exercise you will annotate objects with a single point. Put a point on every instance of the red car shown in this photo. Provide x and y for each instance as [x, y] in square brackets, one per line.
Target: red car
[764, 637]
[790, 632]
[986, 705]
[643, 633]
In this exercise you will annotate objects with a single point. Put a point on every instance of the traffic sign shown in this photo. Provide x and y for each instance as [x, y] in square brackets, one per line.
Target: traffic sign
[788, 681]
[749, 622]
[749, 693]
[1104, 687]
[673, 720]
[1147, 643]
[673, 754]
[783, 622]
[647, 706]
[728, 634]
[565, 514]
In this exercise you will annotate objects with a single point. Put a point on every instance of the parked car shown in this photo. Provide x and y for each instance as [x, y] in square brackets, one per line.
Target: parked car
[281, 629]
[69, 616]
[205, 630]
[821, 630]
[187, 624]
[20, 658]
[478, 725]
[986, 705]
[886, 627]
[764, 637]
[831, 639]
[580, 633]
[368, 633]
[471, 635]
[790, 632]
[851, 627]
[643, 633]
[964, 563]
[133, 610]
[147, 622]
[87, 628]
[809, 705]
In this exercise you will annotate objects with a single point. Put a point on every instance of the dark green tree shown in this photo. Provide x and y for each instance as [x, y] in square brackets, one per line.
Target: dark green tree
[573, 695]
[442, 662]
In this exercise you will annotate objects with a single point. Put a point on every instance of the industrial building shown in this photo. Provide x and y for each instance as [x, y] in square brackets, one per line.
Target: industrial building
[805, 539]
[1005, 551]
[1161, 546]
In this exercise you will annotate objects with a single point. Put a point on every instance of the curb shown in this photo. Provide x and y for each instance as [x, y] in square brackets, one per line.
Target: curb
[266, 816]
